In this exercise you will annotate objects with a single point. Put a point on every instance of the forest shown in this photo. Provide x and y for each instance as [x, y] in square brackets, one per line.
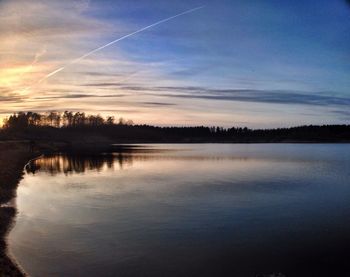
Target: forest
[79, 127]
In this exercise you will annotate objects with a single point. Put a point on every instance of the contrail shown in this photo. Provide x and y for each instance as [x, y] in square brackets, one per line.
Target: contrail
[117, 40]
[52, 73]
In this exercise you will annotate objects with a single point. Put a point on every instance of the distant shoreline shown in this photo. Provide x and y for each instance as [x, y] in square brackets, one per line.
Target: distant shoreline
[73, 129]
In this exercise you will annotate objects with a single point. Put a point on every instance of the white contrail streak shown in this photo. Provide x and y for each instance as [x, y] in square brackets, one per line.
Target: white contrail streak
[117, 40]
[52, 73]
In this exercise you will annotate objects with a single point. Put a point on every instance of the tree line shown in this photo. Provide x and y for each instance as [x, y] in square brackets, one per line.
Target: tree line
[79, 120]
[57, 119]
[77, 126]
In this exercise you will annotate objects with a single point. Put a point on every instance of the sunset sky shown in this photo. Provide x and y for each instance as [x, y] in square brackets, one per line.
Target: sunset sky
[246, 63]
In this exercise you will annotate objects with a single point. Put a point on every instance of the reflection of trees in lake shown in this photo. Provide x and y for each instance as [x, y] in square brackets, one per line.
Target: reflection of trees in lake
[65, 163]
[73, 163]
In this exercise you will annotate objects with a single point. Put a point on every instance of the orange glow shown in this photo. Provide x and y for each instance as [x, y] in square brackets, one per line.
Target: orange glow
[13, 74]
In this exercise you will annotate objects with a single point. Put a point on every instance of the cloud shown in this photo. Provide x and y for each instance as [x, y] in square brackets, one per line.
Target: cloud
[49, 19]
[10, 98]
[103, 84]
[38, 36]
[102, 74]
[343, 114]
[263, 96]
[78, 96]
[240, 95]
[158, 104]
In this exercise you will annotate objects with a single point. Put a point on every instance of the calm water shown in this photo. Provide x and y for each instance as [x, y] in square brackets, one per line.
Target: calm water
[187, 210]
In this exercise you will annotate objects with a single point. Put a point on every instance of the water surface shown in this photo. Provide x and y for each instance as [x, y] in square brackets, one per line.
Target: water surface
[187, 210]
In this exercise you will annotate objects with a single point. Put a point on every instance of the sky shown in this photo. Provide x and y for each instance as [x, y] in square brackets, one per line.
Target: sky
[250, 63]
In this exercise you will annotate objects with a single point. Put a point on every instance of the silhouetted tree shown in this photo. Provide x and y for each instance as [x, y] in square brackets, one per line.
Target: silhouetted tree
[67, 118]
[110, 120]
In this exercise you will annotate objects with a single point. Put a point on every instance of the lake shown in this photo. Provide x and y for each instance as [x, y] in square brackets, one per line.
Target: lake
[187, 210]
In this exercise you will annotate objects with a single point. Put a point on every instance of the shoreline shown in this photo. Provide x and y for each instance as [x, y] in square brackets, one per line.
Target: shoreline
[14, 157]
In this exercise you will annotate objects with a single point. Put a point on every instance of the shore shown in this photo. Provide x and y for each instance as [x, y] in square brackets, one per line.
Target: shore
[13, 157]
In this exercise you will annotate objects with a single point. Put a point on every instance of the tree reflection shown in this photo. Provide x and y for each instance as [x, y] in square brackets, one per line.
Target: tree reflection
[124, 156]
[66, 163]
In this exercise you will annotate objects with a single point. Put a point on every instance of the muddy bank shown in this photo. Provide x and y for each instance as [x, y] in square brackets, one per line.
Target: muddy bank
[13, 157]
